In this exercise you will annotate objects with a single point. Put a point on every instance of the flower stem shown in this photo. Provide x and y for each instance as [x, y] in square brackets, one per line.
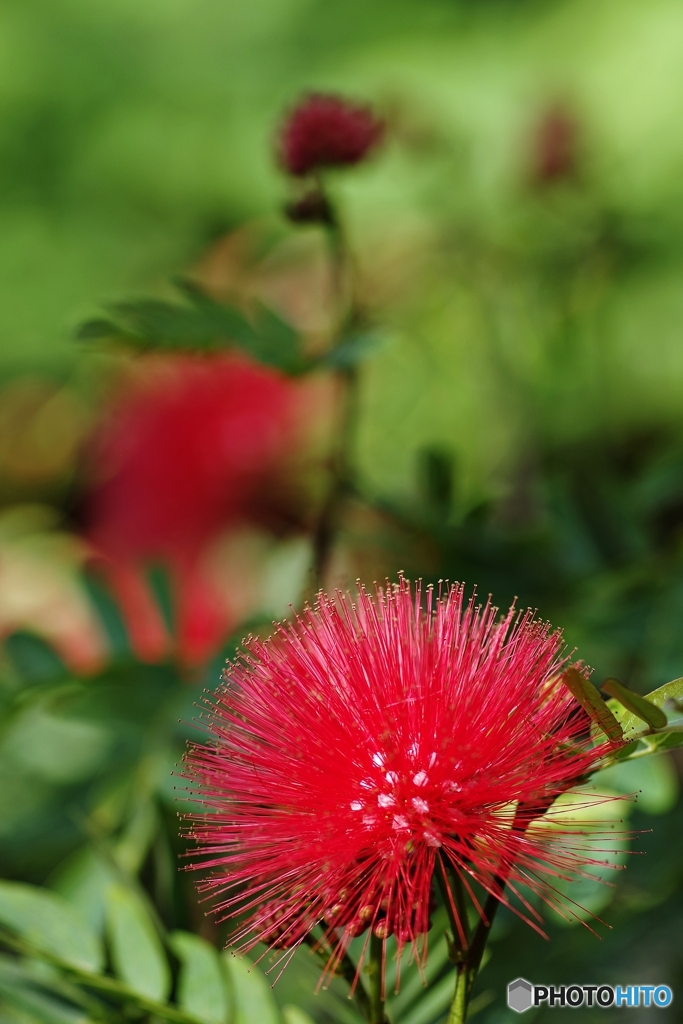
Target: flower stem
[341, 477]
[376, 982]
[468, 970]
[481, 935]
[341, 468]
[458, 1011]
[472, 957]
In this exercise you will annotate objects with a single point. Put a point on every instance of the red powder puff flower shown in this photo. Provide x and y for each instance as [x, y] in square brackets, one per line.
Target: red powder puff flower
[190, 449]
[327, 131]
[368, 741]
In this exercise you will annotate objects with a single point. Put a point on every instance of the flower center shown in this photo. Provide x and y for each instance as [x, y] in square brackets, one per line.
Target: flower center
[399, 803]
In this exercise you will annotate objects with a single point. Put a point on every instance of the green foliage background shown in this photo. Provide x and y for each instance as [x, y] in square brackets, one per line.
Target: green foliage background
[536, 351]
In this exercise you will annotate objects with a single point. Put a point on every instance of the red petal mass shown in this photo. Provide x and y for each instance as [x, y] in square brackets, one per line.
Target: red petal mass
[373, 736]
[192, 447]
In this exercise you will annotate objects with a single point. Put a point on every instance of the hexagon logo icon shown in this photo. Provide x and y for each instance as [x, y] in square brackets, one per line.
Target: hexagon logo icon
[520, 995]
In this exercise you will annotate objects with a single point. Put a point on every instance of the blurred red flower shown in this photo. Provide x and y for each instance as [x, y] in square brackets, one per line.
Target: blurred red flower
[373, 738]
[193, 446]
[556, 145]
[327, 131]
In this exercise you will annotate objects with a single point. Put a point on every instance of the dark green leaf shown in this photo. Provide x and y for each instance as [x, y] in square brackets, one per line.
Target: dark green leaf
[161, 585]
[136, 949]
[96, 330]
[274, 343]
[33, 659]
[590, 700]
[637, 705]
[49, 922]
[200, 324]
[109, 614]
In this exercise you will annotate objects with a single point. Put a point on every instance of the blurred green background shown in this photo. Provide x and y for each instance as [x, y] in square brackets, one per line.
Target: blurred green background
[521, 425]
[133, 133]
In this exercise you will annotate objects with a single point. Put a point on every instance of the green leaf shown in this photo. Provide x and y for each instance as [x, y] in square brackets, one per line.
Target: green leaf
[49, 922]
[137, 836]
[96, 330]
[18, 991]
[202, 987]
[34, 659]
[668, 698]
[200, 324]
[293, 1015]
[590, 700]
[136, 949]
[644, 743]
[652, 743]
[413, 981]
[57, 748]
[275, 343]
[591, 889]
[433, 1003]
[637, 705]
[109, 614]
[254, 1000]
[83, 880]
[654, 781]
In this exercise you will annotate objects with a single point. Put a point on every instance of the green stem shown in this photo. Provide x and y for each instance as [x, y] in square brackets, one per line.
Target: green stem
[481, 935]
[472, 957]
[468, 970]
[341, 477]
[376, 982]
[458, 1011]
[341, 483]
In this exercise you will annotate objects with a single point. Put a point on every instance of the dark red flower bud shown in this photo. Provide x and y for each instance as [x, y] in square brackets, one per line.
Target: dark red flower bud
[311, 208]
[327, 131]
